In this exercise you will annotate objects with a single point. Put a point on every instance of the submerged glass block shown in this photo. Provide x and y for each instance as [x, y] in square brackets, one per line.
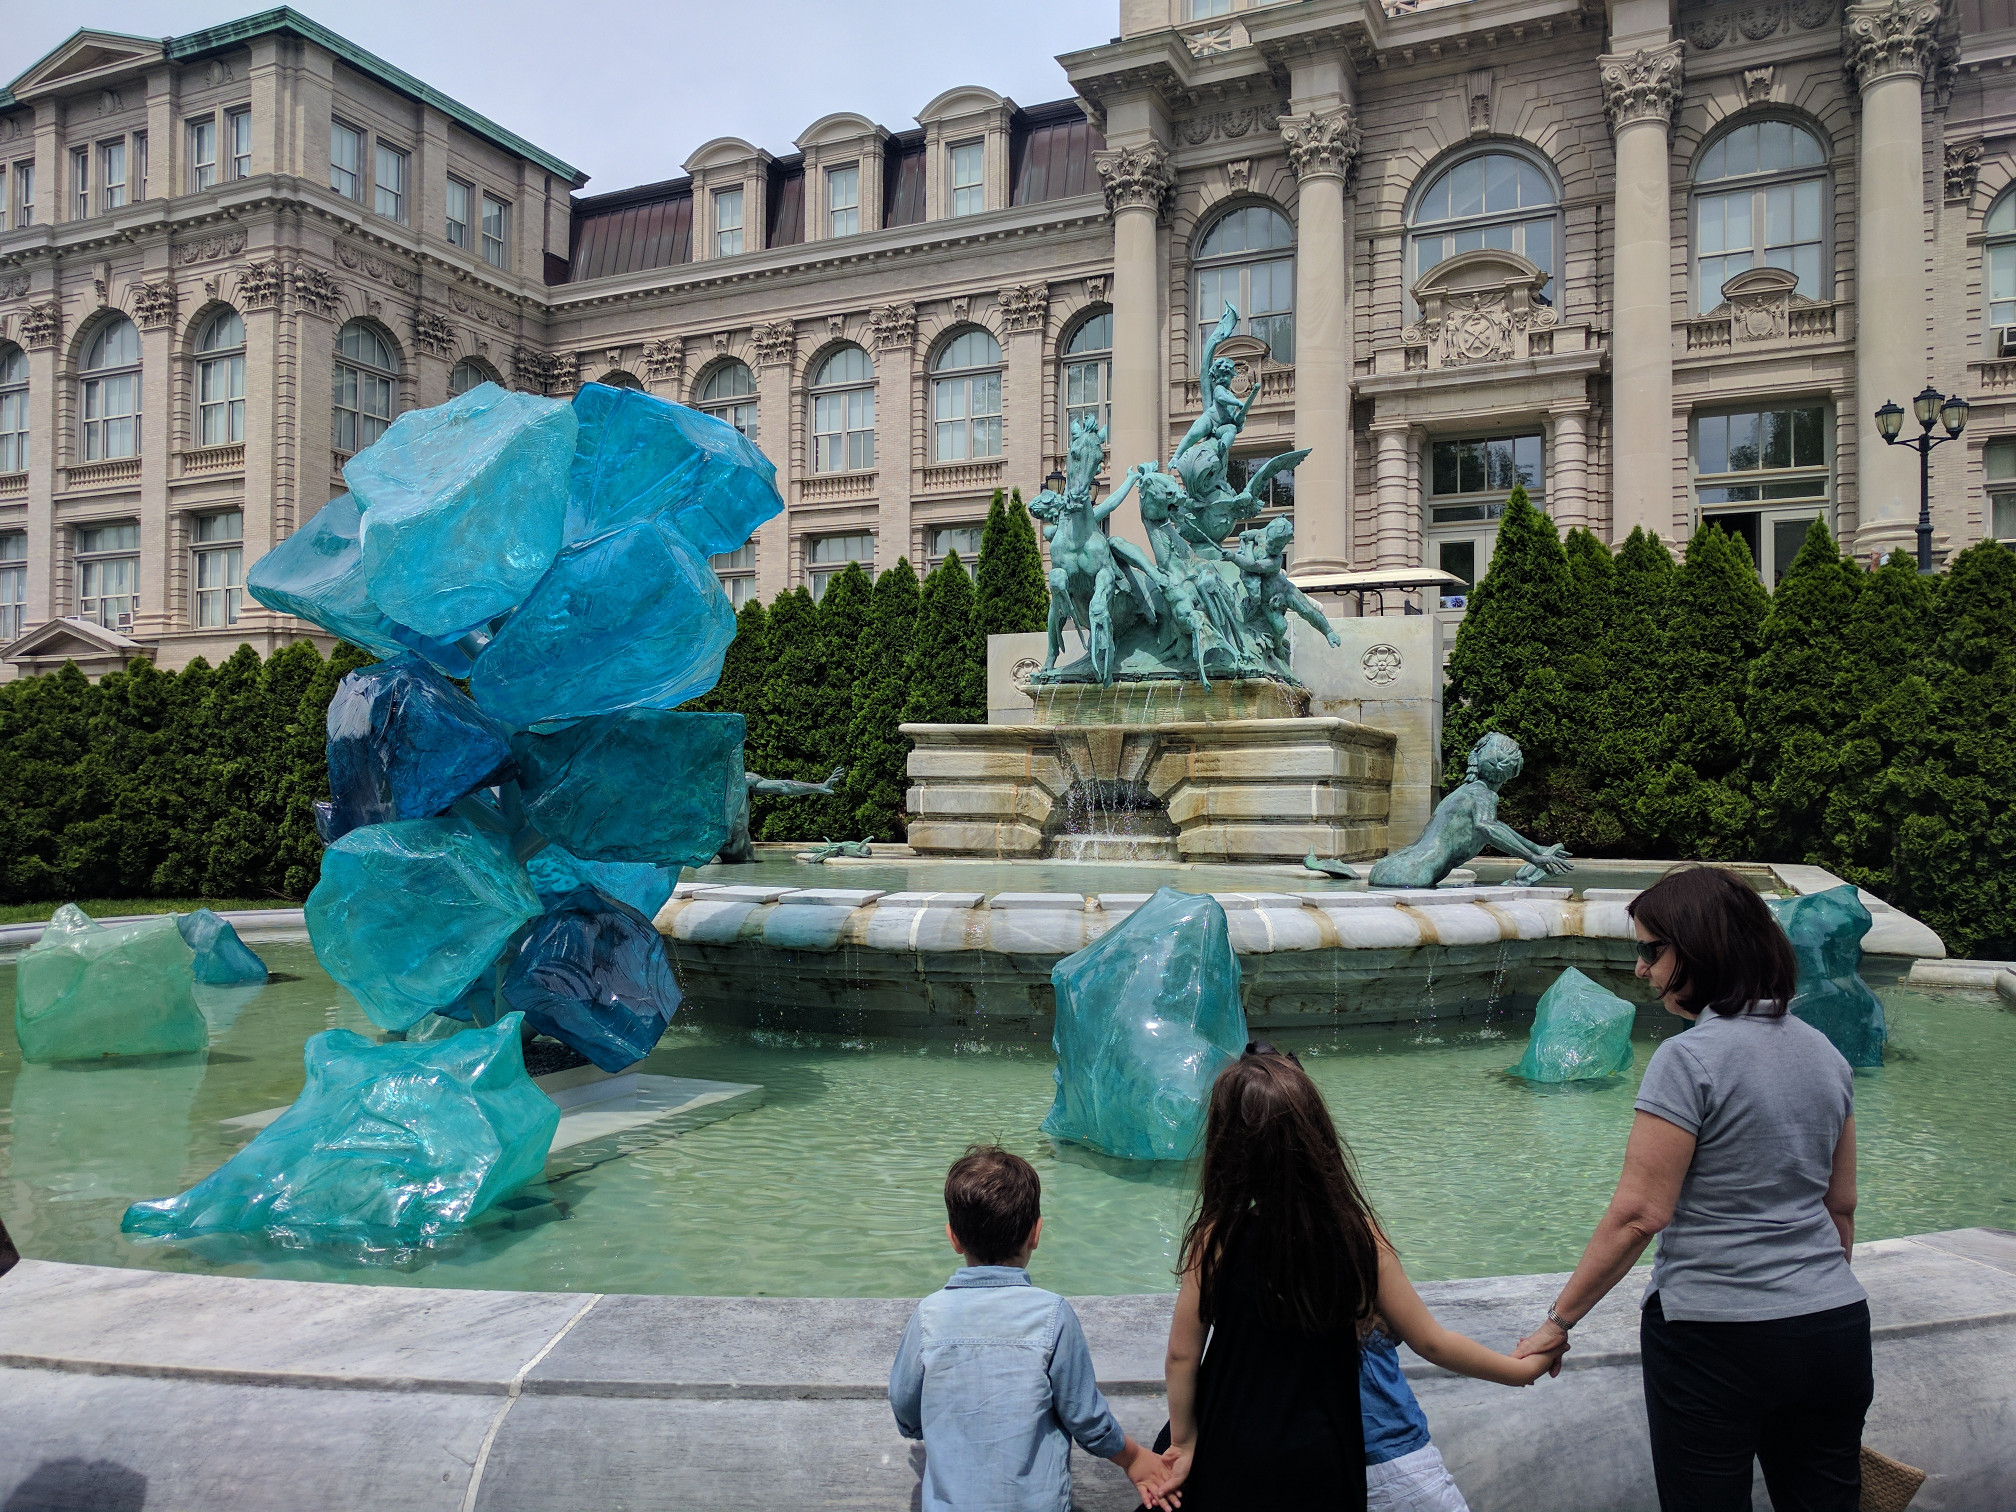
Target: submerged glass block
[646, 785]
[594, 974]
[406, 743]
[222, 959]
[85, 990]
[317, 574]
[632, 619]
[1826, 931]
[1147, 1016]
[464, 505]
[637, 456]
[392, 1144]
[1580, 1033]
[557, 872]
[408, 914]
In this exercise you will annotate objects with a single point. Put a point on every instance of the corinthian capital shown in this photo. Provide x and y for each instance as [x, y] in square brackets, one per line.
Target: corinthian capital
[1644, 86]
[1882, 41]
[1136, 178]
[1322, 143]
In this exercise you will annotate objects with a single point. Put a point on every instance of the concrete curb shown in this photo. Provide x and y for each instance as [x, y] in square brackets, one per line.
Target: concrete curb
[251, 924]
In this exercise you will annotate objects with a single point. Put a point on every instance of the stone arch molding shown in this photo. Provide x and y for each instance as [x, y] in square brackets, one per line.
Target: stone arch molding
[192, 327]
[1725, 108]
[808, 369]
[1542, 134]
[86, 331]
[713, 362]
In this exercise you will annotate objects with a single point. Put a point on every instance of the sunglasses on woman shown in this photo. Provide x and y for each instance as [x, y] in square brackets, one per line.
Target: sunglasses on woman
[1649, 951]
[1262, 1047]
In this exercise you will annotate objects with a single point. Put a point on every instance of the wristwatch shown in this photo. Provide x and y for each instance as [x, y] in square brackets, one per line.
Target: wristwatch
[1557, 1320]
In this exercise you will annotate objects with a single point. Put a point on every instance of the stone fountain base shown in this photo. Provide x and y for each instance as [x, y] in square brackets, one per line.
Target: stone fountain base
[1144, 771]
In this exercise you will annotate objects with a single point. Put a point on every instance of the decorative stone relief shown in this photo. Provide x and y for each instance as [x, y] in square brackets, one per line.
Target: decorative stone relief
[317, 292]
[1811, 15]
[1475, 306]
[775, 341]
[1758, 83]
[1707, 30]
[721, 339]
[1208, 42]
[962, 309]
[1095, 290]
[373, 267]
[1757, 22]
[1024, 308]
[894, 326]
[612, 357]
[433, 333]
[41, 323]
[14, 287]
[1642, 87]
[836, 327]
[1229, 125]
[1902, 37]
[110, 102]
[153, 305]
[1761, 304]
[1322, 144]
[1381, 663]
[476, 310]
[563, 374]
[210, 248]
[1136, 178]
[217, 71]
[1477, 92]
[259, 285]
[1239, 175]
[528, 370]
[1963, 166]
[664, 360]
[1023, 670]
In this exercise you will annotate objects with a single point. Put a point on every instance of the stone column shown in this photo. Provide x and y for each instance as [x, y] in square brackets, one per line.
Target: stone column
[1888, 50]
[1640, 92]
[41, 333]
[1323, 150]
[286, 450]
[780, 433]
[159, 574]
[1139, 183]
[892, 336]
[1568, 468]
[1391, 437]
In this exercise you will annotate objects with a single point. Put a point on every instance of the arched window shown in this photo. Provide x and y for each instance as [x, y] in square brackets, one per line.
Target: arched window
[1088, 373]
[220, 380]
[1500, 200]
[1770, 214]
[111, 392]
[620, 379]
[467, 375]
[2001, 270]
[729, 393]
[1247, 259]
[13, 409]
[966, 398]
[366, 370]
[843, 412]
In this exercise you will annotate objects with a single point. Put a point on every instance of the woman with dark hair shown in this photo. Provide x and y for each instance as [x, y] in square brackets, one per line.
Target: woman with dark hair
[1754, 1332]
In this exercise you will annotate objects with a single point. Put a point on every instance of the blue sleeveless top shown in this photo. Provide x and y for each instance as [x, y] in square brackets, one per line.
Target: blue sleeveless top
[1394, 1422]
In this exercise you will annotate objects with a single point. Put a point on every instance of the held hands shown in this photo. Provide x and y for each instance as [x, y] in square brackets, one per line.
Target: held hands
[1545, 1345]
[1167, 1471]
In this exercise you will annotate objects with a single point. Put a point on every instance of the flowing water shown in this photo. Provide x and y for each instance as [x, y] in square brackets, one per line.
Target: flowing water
[832, 1187]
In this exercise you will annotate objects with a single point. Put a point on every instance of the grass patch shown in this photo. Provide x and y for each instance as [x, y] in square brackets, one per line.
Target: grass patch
[110, 908]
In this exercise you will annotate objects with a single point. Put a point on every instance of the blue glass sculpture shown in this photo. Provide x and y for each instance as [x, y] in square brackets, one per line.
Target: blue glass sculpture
[222, 959]
[1580, 1033]
[557, 872]
[394, 1144]
[407, 915]
[1826, 931]
[637, 456]
[406, 743]
[594, 975]
[647, 785]
[632, 619]
[317, 573]
[464, 505]
[1147, 1015]
[85, 990]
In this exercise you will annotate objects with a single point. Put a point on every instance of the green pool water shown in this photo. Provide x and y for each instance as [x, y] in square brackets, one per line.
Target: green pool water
[831, 1188]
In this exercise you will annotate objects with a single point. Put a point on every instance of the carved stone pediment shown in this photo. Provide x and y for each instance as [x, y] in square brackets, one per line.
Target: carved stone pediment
[1476, 305]
[1758, 303]
[1247, 354]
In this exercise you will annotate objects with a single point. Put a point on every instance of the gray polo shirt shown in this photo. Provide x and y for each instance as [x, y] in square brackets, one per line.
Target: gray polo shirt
[1765, 1099]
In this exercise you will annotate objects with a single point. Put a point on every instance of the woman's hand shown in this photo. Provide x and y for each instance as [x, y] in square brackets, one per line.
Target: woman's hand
[1539, 1363]
[1175, 1469]
[1549, 1341]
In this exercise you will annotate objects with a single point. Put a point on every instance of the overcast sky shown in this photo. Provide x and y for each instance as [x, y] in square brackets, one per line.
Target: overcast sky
[626, 89]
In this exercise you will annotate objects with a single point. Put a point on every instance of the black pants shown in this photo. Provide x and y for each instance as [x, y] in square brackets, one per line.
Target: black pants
[1792, 1392]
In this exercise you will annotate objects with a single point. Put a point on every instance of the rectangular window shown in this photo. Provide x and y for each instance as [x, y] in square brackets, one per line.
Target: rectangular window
[966, 417]
[1775, 227]
[461, 197]
[843, 200]
[843, 430]
[80, 179]
[737, 571]
[346, 160]
[220, 400]
[826, 557]
[1204, 10]
[108, 574]
[1490, 466]
[14, 420]
[111, 416]
[238, 136]
[969, 178]
[1763, 476]
[390, 201]
[202, 153]
[496, 232]
[1999, 462]
[946, 539]
[24, 195]
[112, 173]
[220, 561]
[139, 166]
[727, 222]
[13, 584]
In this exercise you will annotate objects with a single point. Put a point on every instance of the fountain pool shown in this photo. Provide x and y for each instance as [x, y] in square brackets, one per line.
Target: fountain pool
[830, 1187]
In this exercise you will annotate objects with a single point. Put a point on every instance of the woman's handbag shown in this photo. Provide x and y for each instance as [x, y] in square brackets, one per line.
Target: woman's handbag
[1887, 1486]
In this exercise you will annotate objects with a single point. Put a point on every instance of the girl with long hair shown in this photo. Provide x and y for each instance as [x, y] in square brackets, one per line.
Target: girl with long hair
[1299, 1400]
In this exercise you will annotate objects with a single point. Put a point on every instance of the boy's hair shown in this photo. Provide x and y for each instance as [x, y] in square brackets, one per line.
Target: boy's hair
[992, 1201]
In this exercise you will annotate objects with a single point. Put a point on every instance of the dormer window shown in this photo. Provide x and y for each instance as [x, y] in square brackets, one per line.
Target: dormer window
[727, 222]
[969, 178]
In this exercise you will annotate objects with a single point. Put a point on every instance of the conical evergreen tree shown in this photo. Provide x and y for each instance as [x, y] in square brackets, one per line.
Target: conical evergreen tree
[843, 620]
[792, 717]
[948, 666]
[51, 732]
[1010, 594]
[188, 751]
[240, 838]
[878, 780]
[297, 857]
[1625, 742]
[743, 672]
[109, 850]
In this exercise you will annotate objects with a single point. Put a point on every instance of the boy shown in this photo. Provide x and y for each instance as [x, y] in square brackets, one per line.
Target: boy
[993, 1374]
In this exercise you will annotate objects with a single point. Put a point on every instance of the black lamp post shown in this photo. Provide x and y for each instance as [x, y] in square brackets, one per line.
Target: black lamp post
[1932, 408]
[1055, 482]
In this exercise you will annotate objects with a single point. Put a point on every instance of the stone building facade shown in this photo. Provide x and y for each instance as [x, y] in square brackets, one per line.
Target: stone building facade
[1656, 262]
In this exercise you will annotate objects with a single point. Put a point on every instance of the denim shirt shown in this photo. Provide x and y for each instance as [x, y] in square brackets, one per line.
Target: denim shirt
[993, 1374]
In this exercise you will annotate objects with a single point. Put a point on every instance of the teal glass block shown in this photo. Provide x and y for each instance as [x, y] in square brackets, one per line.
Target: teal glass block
[86, 990]
[594, 975]
[632, 619]
[407, 915]
[222, 959]
[1147, 1016]
[387, 1145]
[1580, 1033]
[1826, 931]
[637, 457]
[643, 885]
[647, 785]
[464, 505]
[406, 743]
